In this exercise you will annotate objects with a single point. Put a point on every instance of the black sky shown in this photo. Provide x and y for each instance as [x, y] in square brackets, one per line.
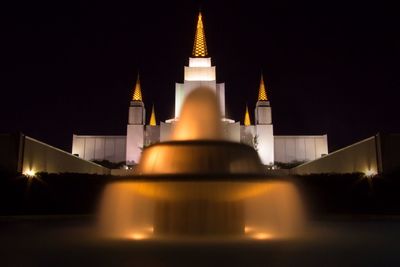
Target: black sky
[70, 68]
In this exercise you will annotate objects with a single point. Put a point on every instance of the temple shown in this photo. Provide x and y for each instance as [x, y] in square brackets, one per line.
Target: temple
[201, 73]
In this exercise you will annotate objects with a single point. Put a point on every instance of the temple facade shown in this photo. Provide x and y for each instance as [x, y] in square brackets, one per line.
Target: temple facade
[201, 73]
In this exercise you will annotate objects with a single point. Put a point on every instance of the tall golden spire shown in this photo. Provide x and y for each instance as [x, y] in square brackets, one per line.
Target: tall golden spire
[247, 121]
[153, 121]
[200, 46]
[262, 95]
[137, 93]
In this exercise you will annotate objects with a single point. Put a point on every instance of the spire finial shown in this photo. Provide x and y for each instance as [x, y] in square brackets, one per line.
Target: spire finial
[247, 121]
[262, 95]
[137, 93]
[200, 46]
[153, 121]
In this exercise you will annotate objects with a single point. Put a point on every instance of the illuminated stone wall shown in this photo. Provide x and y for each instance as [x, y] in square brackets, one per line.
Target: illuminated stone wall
[134, 143]
[41, 157]
[300, 148]
[265, 143]
[135, 134]
[199, 73]
[263, 113]
[179, 97]
[359, 157]
[166, 130]
[111, 148]
[231, 131]
[152, 135]
[247, 134]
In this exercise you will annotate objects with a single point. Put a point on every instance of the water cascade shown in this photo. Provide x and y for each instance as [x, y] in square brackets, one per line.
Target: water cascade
[200, 186]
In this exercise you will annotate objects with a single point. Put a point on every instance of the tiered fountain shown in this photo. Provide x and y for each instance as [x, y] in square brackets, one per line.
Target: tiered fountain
[199, 185]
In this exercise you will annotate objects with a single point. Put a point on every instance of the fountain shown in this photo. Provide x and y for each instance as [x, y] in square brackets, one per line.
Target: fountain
[200, 200]
[200, 186]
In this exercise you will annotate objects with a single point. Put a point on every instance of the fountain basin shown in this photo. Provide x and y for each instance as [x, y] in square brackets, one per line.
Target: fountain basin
[200, 157]
[154, 207]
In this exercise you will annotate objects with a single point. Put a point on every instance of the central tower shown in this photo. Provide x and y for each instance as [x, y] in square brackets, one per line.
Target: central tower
[199, 73]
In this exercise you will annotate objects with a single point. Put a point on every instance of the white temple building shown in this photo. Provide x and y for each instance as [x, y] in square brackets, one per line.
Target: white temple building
[201, 73]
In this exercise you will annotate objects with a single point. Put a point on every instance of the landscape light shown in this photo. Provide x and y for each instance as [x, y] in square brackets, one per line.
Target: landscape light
[262, 236]
[370, 173]
[137, 236]
[30, 173]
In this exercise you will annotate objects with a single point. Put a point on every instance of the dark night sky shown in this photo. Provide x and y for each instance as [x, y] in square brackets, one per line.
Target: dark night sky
[70, 68]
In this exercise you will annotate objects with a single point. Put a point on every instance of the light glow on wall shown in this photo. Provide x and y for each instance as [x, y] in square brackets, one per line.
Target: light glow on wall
[29, 173]
[199, 74]
[370, 173]
[200, 62]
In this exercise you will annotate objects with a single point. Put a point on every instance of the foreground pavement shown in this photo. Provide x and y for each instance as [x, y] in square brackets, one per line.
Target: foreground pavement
[71, 241]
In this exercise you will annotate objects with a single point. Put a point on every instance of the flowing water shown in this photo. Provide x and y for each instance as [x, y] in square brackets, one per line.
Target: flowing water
[200, 186]
[158, 209]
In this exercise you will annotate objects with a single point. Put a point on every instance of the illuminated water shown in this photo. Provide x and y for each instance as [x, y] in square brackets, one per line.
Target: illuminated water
[199, 118]
[261, 210]
[200, 186]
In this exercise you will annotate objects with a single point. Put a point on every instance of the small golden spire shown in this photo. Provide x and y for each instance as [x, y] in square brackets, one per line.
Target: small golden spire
[247, 121]
[153, 121]
[137, 93]
[200, 46]
[262, 95]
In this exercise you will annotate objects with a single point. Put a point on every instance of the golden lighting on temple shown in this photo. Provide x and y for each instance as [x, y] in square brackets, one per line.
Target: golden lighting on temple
[137, 93]
[200, 46]
[262, 94]
[247, 121]
[153, 121]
